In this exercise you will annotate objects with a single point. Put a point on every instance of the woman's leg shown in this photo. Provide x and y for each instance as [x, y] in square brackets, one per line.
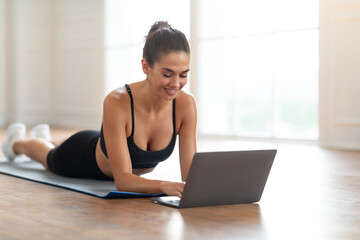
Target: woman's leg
[76, 157]
[58, 142]
[36, 149]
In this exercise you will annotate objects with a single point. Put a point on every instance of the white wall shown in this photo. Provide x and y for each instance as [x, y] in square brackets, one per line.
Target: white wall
[340, 73]
[3, 60]
[53, 62]
[79, 63]
[30, 61]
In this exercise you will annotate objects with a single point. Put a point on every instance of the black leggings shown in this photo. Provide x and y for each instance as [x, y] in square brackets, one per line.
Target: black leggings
[76, 157]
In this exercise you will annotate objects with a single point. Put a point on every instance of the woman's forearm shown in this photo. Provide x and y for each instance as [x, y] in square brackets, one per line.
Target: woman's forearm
[128, 182]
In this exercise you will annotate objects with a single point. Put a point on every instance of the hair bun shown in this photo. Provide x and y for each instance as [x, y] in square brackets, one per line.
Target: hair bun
[163, 39]
[159, 25]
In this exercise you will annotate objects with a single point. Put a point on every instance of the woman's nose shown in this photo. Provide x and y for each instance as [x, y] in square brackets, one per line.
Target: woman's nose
[175, 81]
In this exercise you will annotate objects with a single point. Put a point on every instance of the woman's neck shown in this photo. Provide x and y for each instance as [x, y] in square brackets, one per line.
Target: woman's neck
[148, 99]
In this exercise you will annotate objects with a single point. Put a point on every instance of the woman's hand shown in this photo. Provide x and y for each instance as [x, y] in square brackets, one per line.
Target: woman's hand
[172, 188]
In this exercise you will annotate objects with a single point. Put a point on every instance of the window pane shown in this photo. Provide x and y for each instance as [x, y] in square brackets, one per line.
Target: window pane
[236, 91]
[122, 66]
[128, 22]
[216, 86]
[295, 14]
[296, 81]
[234, 17]
[254, 88]
[117, 31]
[265, 54]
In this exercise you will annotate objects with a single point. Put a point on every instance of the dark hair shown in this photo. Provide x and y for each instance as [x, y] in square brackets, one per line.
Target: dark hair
[162, 38]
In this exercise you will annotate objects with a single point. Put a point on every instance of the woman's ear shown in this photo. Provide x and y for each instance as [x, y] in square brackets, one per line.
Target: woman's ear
[145, 66]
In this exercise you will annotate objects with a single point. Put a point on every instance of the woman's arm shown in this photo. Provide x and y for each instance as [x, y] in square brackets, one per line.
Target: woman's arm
[116, 115]
[187, 132]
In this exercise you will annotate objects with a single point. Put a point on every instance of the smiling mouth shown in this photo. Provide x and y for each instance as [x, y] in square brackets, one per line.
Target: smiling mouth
[171, 91]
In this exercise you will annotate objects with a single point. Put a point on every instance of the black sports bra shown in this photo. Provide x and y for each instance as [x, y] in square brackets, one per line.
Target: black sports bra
[139, 157]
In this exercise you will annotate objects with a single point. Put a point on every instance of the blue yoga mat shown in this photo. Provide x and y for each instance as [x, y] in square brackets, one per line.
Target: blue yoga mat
[27, 169]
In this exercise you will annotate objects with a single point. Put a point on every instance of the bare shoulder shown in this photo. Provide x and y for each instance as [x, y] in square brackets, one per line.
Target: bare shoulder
[117, 101]
[185, 101]
[186, 110]
[118, 96]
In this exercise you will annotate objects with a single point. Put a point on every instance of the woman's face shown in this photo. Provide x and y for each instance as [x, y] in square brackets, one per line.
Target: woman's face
[169, 75]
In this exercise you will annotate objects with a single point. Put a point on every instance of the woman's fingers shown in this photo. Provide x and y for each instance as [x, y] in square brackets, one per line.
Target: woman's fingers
[173, 188]
[180, 190]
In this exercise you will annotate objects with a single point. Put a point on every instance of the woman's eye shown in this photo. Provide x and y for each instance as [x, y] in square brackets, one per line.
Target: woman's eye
[169, 76]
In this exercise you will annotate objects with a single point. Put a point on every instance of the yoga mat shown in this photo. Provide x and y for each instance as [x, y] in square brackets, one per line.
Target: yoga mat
[27, 169]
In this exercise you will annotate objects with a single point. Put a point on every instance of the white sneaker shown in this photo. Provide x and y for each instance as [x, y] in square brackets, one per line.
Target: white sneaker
[41, 131]
[15, 132]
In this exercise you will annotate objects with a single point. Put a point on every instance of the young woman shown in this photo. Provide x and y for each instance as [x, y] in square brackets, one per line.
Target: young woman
[140, 124]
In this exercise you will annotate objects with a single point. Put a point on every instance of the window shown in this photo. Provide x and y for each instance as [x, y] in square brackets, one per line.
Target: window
[127, 22]
[258, 68]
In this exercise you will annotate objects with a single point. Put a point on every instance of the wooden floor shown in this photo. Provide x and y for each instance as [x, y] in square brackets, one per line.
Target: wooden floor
[312, 193]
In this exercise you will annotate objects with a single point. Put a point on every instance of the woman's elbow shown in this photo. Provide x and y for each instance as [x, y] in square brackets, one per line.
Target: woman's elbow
[121, 182]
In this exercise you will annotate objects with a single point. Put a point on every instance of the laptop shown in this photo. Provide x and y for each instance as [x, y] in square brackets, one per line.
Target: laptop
[221, 178]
